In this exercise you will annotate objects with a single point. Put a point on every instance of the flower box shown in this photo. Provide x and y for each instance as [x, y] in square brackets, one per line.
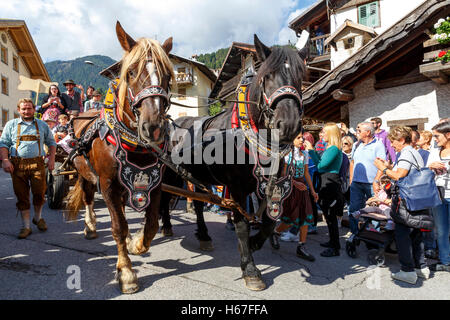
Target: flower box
[436, 71]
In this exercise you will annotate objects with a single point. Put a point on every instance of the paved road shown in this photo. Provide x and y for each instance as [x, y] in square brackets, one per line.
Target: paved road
[45, 265]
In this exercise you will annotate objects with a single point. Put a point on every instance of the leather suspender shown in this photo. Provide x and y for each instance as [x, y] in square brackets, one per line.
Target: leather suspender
[28, 137]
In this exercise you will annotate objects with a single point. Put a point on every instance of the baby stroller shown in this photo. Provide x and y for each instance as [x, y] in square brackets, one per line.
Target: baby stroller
[378, 235]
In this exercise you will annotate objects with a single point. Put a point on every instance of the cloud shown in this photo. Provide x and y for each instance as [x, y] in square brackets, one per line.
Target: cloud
[286, 34]
[67, 29]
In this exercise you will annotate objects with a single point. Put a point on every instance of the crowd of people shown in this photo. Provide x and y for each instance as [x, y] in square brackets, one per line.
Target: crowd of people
[58, 108]
[359, 171]
[356, 173]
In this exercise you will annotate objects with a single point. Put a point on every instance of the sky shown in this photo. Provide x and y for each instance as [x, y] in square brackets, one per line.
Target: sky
[68, 29]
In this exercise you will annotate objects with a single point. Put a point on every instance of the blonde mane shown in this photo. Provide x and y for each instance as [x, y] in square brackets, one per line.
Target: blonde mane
[137, 58]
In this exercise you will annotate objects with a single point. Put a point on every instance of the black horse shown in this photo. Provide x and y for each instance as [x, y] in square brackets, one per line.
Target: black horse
[279, 68]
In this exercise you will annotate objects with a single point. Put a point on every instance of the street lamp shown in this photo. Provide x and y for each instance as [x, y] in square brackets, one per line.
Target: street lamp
[93, 64]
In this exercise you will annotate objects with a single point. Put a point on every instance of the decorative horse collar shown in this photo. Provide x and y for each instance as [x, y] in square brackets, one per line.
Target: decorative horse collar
[129, 139]
[241, 116]
[275, 190]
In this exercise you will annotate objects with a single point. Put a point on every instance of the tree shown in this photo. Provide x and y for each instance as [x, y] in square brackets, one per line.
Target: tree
[215, 108]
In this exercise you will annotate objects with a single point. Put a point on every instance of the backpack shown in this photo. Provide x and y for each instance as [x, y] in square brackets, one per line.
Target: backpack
[344, 173]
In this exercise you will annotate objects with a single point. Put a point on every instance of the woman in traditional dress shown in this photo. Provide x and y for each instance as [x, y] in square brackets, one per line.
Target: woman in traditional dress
[297, 209]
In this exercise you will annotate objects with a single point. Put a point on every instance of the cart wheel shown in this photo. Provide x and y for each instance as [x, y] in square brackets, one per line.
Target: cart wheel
[350, 249]
[375, 257]
[56, 189]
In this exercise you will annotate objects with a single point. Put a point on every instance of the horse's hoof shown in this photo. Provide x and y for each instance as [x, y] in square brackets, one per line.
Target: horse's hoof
[129, 288]
[206, 245]
[135, 251]
[90, 235]
[254, 283]
[167, 232]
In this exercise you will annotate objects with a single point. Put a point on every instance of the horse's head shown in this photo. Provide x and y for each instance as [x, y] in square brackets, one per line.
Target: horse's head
[278, 89]
[144, 83]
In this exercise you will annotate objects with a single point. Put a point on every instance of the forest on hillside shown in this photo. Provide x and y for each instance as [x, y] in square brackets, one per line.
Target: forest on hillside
[80, 72]
[213, 60]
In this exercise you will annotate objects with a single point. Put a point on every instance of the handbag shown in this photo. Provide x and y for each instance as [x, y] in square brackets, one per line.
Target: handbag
[418, 189]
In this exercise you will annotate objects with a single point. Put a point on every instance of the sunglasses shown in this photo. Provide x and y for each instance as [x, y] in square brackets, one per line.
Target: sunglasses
[346, 144]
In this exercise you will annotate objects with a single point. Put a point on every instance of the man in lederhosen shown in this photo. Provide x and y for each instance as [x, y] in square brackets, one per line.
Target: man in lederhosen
[22, 154]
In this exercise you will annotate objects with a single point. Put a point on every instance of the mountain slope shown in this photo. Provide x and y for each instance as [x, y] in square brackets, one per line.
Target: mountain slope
[80, 72]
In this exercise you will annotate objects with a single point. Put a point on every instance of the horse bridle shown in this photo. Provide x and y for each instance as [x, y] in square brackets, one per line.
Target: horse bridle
[267, 105]
[148, 92]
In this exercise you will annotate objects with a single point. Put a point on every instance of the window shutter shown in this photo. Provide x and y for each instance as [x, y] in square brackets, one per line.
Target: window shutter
[373, 15]
[363, 14]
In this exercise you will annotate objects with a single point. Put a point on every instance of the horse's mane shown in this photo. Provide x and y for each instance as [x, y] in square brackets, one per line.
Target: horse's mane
[137, 57]
[276, 61]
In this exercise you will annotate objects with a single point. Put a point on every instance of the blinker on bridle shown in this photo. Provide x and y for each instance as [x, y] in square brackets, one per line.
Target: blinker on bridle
[269, 103]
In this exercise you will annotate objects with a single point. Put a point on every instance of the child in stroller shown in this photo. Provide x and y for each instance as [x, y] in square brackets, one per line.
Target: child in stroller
[375, 227]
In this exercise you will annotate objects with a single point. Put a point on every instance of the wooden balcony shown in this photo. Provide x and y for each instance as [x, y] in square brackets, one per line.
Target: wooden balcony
[184, 79]
[316, 56]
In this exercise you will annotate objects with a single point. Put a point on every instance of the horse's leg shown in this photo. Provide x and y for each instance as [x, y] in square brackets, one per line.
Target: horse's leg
[250, 273]
[202, 231]
[119, 227]
[265, 230]
[90, 223]
[140, 243]
[166, 228]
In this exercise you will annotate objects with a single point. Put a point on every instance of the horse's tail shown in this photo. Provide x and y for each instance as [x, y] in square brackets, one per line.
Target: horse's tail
[74, 201]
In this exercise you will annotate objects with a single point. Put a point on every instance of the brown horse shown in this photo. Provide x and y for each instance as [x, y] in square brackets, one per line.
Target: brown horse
[145, 69]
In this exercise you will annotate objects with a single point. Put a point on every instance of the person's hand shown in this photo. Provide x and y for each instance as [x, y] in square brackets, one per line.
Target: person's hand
[308, 145]
[7, 166]
[373, 199]
[79, 86]
[376, 187]
[438, 167]
[51, 164]
[380, 164]
[315, 196]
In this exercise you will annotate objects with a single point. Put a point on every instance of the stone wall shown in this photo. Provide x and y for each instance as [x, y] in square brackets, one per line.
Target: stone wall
[422, 100]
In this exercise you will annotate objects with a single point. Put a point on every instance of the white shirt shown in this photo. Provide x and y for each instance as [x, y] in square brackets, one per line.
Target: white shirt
[442, 180]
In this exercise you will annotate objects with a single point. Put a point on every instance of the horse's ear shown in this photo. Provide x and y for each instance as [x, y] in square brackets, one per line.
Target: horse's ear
[262, 52]
[302, 45]
[125, 40]
[167, 45]
[304, 53]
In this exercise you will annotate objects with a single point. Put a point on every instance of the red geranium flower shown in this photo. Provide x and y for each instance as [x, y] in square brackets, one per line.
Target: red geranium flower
[441, 54]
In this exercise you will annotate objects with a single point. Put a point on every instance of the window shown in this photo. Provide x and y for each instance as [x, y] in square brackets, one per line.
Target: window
[349, 43]
[4, 54]
[4, 117]
[16, 63]
[415, 124]
[5, 90]
[369, 14]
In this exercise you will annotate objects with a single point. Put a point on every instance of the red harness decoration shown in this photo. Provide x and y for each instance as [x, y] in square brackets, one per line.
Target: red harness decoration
[127, 147]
